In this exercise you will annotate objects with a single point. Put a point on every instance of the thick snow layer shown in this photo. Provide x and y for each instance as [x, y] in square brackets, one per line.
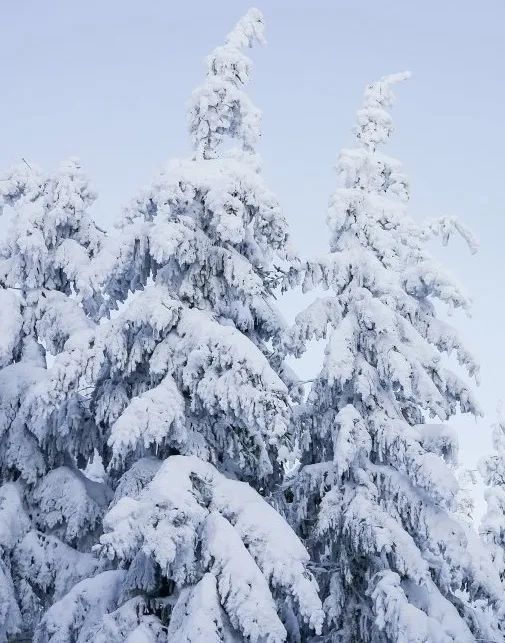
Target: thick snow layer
[189, 507]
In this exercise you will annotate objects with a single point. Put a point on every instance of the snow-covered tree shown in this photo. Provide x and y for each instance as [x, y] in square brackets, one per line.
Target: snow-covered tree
[47, 295]
[492, 527]
[374, 496]
[47, 506]
[186, 398]
[202, 249]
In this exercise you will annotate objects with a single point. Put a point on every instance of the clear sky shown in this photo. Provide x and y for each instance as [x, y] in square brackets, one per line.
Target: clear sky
[109, 81]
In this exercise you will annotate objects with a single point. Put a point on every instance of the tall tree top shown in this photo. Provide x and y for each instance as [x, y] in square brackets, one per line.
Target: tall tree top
[206, 241]
[375, 124]
[375, 479]
[219, 108]
[250, 28]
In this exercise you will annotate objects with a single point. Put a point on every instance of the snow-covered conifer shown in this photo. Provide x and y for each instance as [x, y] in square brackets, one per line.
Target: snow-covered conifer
[374, 496]
[188, 395]
[45, 275]
[203, 249]
[492, 527]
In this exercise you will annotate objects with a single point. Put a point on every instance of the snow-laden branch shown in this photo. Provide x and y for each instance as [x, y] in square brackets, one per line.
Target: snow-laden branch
[446, 226]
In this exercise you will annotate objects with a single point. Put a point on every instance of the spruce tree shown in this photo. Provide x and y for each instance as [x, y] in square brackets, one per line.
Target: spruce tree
[47, 506]
[188, 398]
[374, 496]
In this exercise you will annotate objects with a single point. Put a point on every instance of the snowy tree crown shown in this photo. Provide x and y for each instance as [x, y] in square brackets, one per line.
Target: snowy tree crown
[219, 108]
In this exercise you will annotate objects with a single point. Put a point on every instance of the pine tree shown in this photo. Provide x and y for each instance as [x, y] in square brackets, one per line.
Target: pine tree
[187, 398]
[374, 496]
[492, 527]
[44, 262]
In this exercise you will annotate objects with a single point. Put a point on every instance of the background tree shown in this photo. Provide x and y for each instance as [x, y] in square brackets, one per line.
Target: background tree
[44, 298]
[374, 497]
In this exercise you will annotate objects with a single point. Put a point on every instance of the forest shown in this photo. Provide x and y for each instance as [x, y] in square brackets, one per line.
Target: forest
[166, 474]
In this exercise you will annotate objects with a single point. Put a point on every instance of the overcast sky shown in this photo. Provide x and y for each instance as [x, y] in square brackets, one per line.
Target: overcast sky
[109, 81]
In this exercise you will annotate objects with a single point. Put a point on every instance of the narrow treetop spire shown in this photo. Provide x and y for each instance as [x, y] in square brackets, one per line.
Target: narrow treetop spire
[375, 124]
[250, 28]
[219, 108]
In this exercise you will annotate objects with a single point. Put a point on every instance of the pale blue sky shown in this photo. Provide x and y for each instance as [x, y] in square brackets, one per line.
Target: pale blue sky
[109, 81]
